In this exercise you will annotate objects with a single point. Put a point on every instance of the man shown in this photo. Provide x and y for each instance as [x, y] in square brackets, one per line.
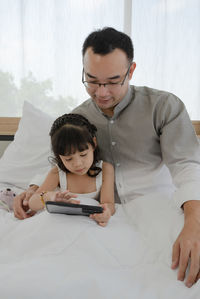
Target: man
[139, 130]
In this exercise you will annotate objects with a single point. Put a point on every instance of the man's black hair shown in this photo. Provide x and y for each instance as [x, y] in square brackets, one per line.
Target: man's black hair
[104, 41]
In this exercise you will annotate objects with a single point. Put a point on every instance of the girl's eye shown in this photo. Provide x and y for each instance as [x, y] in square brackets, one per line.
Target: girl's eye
[68, 159]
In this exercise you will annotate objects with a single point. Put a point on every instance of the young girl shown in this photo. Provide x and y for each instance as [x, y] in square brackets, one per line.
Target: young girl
[78, 171]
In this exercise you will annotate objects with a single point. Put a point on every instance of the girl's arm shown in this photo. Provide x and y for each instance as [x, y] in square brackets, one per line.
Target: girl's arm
[50, 184]
[107, 188]
[37, 203]
[106, 195]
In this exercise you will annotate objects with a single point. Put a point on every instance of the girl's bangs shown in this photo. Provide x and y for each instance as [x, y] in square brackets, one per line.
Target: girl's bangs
[70, 149]
[72, 140]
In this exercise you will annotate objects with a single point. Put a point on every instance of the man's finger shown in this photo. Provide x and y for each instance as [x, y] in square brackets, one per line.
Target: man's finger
[198, 277]
[183, 261]
[25, 202]
[19, 211]
[20, 214]
[175, 255]
[31, 213]
[28, 196]
[23, 213]
[102, 224]
[194, 267]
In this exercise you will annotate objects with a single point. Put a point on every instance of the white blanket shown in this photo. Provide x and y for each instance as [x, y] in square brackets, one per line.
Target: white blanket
[59, 256]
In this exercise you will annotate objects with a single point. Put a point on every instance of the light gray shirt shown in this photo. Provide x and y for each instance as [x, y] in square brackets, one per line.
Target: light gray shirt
[149, 129]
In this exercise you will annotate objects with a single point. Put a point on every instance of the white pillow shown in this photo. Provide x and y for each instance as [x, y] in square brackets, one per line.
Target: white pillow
[28, 154]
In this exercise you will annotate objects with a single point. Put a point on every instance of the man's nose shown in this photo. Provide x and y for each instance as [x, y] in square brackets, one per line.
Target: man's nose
[102, 90]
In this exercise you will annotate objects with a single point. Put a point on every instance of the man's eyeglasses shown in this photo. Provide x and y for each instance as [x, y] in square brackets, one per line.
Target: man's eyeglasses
[111, 86]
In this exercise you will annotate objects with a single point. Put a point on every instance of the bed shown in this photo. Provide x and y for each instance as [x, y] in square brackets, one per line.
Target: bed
[58, 256]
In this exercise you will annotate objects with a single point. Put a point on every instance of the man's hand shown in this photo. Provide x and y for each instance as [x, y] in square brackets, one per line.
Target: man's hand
[186, 249]
[20, 205]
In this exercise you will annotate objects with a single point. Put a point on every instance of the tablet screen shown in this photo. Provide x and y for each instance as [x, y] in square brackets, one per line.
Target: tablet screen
[72, 209]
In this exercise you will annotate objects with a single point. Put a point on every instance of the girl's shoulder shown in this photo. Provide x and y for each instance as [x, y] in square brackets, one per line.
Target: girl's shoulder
[102, 163]
[106, 166]
[54, 170]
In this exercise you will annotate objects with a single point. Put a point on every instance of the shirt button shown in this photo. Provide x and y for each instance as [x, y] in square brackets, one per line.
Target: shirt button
[118, 164]
[112, 121]
[113, 142]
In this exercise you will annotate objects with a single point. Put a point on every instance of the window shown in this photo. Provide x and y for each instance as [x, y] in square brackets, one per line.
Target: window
[166, 35]
[40, 50]
[41, 42]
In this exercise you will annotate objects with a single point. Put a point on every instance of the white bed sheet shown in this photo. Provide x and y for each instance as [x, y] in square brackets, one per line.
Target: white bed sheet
[59, 256]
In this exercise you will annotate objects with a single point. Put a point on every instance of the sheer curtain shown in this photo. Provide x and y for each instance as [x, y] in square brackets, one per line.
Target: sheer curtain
[41, 42]
[166, 35]
[40, 50]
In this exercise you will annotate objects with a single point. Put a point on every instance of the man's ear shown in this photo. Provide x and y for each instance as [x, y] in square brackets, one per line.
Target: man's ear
[132, 69]
[95, 141]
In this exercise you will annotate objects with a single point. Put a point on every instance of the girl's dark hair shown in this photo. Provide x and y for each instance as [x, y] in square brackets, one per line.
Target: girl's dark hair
[104, 41]
[70, 133]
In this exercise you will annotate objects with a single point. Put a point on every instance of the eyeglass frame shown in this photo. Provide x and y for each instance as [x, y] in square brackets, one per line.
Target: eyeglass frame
[106, 84]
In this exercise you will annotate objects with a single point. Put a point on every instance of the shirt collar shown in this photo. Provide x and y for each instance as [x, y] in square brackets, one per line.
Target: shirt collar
[122, 104]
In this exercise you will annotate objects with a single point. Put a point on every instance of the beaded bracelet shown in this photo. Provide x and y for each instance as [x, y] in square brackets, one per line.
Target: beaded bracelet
[42, 197]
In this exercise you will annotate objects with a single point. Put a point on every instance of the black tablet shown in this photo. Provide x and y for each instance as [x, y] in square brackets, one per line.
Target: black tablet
[71, 208]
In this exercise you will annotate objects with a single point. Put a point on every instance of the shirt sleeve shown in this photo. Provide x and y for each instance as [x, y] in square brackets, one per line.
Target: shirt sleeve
[180, 148]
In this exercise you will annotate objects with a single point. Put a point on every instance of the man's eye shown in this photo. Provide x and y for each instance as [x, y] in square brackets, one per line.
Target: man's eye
[83, 155]
[109, 83]
[113, 83]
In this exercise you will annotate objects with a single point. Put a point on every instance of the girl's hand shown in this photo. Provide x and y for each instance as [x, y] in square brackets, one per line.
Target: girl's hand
[102, 218]
[65, 196]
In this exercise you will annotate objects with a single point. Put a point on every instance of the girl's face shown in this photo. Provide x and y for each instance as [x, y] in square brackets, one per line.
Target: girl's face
[80, 162]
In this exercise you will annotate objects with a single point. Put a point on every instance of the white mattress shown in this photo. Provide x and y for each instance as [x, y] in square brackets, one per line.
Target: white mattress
[59, 256]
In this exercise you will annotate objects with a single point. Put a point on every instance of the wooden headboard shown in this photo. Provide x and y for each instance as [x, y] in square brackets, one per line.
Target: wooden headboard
[9, 125]
[196, 124]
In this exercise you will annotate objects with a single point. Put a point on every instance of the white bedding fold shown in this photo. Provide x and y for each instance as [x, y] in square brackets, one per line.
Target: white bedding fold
[59, 256]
